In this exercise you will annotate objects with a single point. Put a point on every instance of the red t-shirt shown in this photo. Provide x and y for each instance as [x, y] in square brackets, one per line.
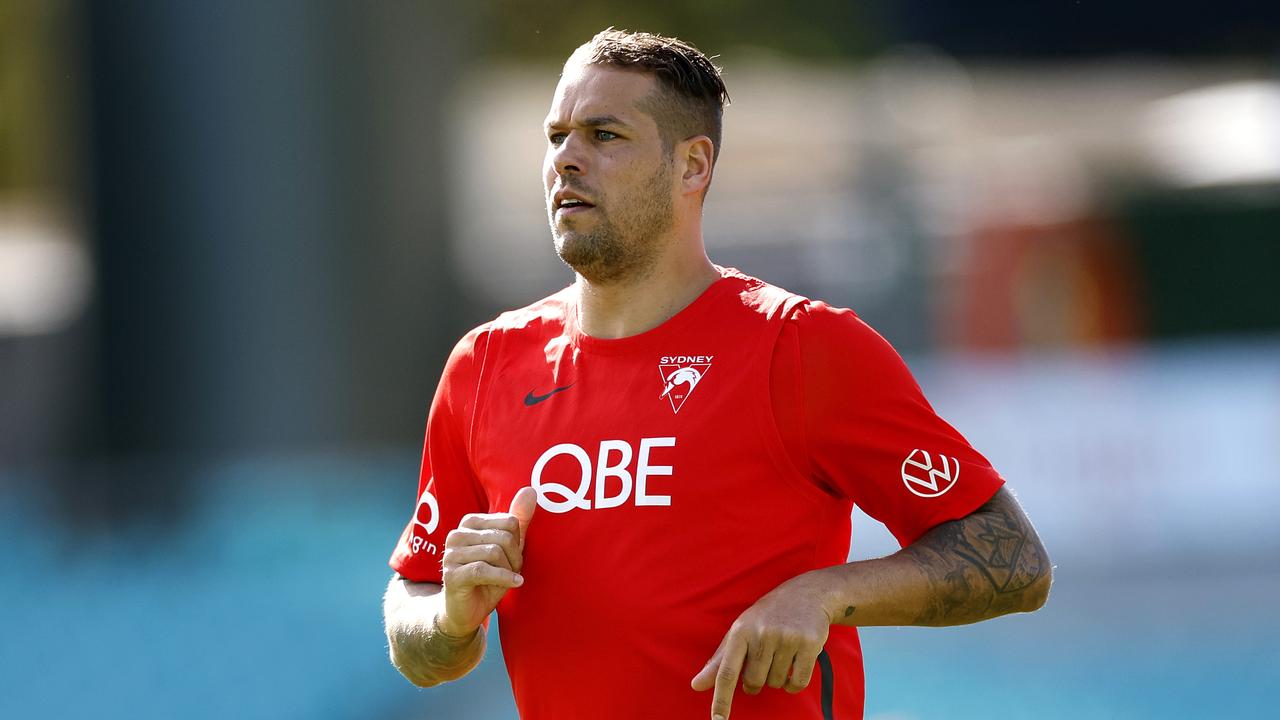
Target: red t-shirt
[682, 474]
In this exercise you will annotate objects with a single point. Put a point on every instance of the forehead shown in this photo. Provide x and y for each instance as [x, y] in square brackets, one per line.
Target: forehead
[587, 91]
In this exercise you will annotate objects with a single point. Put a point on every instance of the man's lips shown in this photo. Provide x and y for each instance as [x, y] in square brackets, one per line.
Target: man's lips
[573, 210]
[569, 201]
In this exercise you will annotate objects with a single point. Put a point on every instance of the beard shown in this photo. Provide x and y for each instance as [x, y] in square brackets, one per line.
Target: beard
[623, 245]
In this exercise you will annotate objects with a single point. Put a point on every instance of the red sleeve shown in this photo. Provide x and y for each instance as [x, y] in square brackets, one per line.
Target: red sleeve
[870, 434]
[447, 486]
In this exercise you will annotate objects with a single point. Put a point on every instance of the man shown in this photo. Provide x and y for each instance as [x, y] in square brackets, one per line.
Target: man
[692, 442]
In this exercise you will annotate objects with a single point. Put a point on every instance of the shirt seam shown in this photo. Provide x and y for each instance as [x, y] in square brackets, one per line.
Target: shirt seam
[772, 435]
[479, 400]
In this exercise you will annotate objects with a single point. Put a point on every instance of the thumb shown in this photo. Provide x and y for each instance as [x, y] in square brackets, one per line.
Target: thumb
[522, 506]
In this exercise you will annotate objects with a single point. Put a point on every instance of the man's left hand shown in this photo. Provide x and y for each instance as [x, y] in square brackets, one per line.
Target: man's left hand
[775, 642]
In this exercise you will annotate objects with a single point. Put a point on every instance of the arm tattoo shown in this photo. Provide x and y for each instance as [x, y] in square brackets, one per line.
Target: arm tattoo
[987, 564]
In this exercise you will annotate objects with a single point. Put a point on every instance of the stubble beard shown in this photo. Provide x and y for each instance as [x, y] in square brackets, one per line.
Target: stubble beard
[620, 248]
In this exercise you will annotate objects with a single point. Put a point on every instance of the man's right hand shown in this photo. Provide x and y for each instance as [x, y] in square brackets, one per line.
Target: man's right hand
[482, 560]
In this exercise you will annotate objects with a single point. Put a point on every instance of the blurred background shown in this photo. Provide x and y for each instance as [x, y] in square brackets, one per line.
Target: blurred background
[237, 241]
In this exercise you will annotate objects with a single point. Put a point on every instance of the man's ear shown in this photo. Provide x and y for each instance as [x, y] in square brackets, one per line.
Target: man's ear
[697, 155]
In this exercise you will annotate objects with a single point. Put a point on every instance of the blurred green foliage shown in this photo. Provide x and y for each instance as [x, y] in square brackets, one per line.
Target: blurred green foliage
[34, 92]
[1209, 259]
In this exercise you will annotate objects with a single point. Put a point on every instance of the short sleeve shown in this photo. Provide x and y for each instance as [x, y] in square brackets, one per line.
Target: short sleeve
[447, 486]
[871, 435]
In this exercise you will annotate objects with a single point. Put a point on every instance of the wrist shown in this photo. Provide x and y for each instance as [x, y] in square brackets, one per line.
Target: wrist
[440, 625]
[826, 586]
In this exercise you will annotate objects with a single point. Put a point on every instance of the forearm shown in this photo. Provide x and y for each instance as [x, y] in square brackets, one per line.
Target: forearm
[981, 566]
[419, 649]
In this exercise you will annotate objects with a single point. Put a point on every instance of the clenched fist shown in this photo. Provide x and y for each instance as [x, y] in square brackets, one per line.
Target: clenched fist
[482, 560]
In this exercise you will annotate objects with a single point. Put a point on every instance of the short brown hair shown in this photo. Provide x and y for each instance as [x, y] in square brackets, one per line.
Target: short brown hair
[692, 96]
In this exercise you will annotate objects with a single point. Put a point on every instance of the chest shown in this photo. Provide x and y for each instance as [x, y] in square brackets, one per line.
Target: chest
[596, 433]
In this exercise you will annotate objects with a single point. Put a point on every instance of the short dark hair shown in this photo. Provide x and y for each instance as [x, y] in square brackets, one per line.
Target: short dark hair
[691, 96]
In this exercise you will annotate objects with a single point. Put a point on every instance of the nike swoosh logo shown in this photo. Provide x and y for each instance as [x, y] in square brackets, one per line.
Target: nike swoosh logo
[531, 399]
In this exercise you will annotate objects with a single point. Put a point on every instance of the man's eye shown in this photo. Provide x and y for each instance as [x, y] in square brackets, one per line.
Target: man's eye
[556, 138]
[605, 135]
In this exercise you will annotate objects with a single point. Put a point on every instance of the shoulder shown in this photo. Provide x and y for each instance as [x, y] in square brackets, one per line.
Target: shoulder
[820, 324]
[827, 336]
[527, 324]
[835, 343]
[817, 322]
[761, 298]
[550, 314]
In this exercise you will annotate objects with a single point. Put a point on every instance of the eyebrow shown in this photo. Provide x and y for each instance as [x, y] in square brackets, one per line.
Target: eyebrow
[594, 121]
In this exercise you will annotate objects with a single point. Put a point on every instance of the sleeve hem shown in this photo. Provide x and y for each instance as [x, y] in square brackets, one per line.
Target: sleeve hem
[954, 512]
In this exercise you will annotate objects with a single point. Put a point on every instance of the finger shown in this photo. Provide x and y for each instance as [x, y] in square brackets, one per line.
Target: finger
[489, 553]
[727, 677]
[760, 658]
[463, 537]
[706, 677]
[491, 521]
[478, 574]
[802, 669]
[522, 507]
[781, 666]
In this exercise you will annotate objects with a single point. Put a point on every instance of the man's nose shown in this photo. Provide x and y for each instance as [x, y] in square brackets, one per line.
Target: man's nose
[569, 158]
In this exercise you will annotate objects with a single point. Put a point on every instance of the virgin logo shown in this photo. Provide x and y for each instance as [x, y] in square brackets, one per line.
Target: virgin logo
[429, 502]
[926, 478]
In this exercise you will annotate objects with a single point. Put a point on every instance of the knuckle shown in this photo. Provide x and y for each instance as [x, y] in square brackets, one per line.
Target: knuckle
[799, 681]
[487, 574]
[495, 555]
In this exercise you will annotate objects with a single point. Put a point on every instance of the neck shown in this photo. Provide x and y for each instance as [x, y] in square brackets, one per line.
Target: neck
[634, 305]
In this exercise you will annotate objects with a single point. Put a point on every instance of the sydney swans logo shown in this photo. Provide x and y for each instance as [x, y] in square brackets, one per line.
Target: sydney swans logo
[680, 375]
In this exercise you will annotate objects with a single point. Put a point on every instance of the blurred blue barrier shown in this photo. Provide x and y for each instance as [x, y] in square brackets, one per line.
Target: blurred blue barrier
[264, 600]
